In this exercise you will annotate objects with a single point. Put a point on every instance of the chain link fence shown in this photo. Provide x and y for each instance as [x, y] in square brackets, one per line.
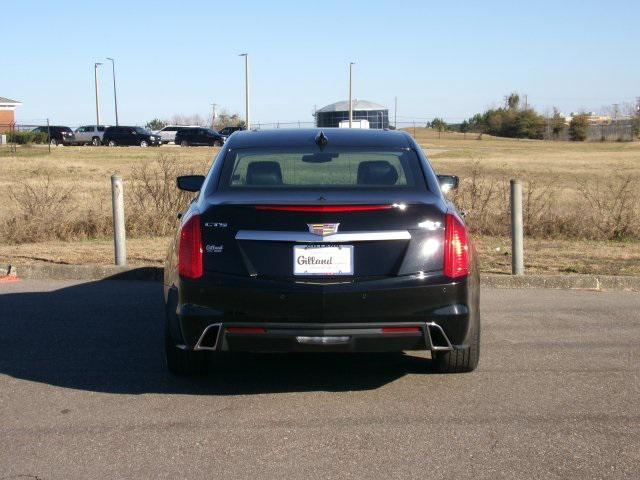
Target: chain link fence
[15, 136]
[615, 131]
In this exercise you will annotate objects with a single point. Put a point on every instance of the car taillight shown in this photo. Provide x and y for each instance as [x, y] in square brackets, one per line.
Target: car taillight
[456, 248]
[190, 261]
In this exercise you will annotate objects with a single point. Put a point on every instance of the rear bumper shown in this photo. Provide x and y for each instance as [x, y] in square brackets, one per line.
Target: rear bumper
[279, 338]
[288, 310]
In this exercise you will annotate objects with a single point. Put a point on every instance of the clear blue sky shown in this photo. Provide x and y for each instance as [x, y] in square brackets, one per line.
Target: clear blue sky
[444, 58]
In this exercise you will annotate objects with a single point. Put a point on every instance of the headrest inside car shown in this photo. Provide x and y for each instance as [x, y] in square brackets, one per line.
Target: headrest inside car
[377, 172]
[264, 173]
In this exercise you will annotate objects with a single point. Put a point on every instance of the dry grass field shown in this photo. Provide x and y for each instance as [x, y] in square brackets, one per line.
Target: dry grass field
[574, 189]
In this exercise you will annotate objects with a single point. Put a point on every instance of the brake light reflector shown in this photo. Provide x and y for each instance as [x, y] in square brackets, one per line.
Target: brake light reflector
[456, 247]
[190, 260]
[246, 330]
[400, 329]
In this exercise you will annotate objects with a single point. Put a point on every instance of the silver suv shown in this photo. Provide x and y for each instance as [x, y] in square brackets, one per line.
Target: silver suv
[89, 134]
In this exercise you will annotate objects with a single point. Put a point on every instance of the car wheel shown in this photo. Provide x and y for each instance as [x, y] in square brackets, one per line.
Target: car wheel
[95, 141]
[112, 143]
[184, 143]
[217, 143]
[460, 360]
[144, 143]
[53, 142]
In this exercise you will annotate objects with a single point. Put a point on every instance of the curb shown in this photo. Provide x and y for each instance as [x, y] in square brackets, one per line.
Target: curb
[565, 282]
[87, 272]
[492, 280]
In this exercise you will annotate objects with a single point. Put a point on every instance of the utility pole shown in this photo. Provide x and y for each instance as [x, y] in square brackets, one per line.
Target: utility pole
[95, 77]
[351, 64]
[246, 90]
[115, 95]
[395, 112]
[213, 114]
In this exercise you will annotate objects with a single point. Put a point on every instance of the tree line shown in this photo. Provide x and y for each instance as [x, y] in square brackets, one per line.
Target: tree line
[513, 120]
[221, 120]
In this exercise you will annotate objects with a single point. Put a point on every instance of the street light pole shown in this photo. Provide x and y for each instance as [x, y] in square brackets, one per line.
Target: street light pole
[351, 64]
[115, 95]
[246, 90]
[95, 77]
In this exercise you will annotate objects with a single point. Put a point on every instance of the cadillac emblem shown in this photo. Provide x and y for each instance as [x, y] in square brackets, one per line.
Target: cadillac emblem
[323, 229]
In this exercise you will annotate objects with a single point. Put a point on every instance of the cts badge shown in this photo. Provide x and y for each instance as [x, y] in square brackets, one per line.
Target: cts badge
[323, 229]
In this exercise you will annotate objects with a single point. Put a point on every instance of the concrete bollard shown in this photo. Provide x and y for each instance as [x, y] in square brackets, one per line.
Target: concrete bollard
[517, 230]
[119, 234]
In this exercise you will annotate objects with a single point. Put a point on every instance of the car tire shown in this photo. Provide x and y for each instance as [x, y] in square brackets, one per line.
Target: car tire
[184, 143]
[112, 143]
[144, 143]
[217, 143]
[461, 360]
[182, 362]
[95, 141]
[53, 142]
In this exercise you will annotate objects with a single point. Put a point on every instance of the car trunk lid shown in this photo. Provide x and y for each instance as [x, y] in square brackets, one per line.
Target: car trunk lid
[259, 238]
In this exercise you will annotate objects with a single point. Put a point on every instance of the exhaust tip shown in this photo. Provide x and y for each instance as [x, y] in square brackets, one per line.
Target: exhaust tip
[209, 338]
[438, 340]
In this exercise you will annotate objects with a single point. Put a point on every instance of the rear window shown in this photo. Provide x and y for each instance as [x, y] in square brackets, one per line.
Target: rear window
[313, 169]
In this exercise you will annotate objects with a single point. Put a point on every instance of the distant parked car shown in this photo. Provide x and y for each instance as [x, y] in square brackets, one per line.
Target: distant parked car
[198, 137]
[89, 134]
[57, 135]
[114, 136]
[226, 131]
[168, 133]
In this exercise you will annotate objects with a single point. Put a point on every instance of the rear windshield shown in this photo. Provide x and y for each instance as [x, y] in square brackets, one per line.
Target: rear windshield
[309, 168]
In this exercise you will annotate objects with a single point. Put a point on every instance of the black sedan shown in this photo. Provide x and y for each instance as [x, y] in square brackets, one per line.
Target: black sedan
[198, 137]
[321, 241]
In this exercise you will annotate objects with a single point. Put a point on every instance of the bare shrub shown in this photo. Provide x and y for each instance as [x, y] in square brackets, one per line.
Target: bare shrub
[43, 208]
[154, 200]
[611, 208]
[482, 199]
[607, 210]
[44, 212]
[540, 209]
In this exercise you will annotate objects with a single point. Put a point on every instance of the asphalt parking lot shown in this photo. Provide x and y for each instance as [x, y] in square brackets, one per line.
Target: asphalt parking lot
[83, 394]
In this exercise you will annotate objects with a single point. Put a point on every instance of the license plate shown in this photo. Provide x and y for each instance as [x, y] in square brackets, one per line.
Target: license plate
[323, 259]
